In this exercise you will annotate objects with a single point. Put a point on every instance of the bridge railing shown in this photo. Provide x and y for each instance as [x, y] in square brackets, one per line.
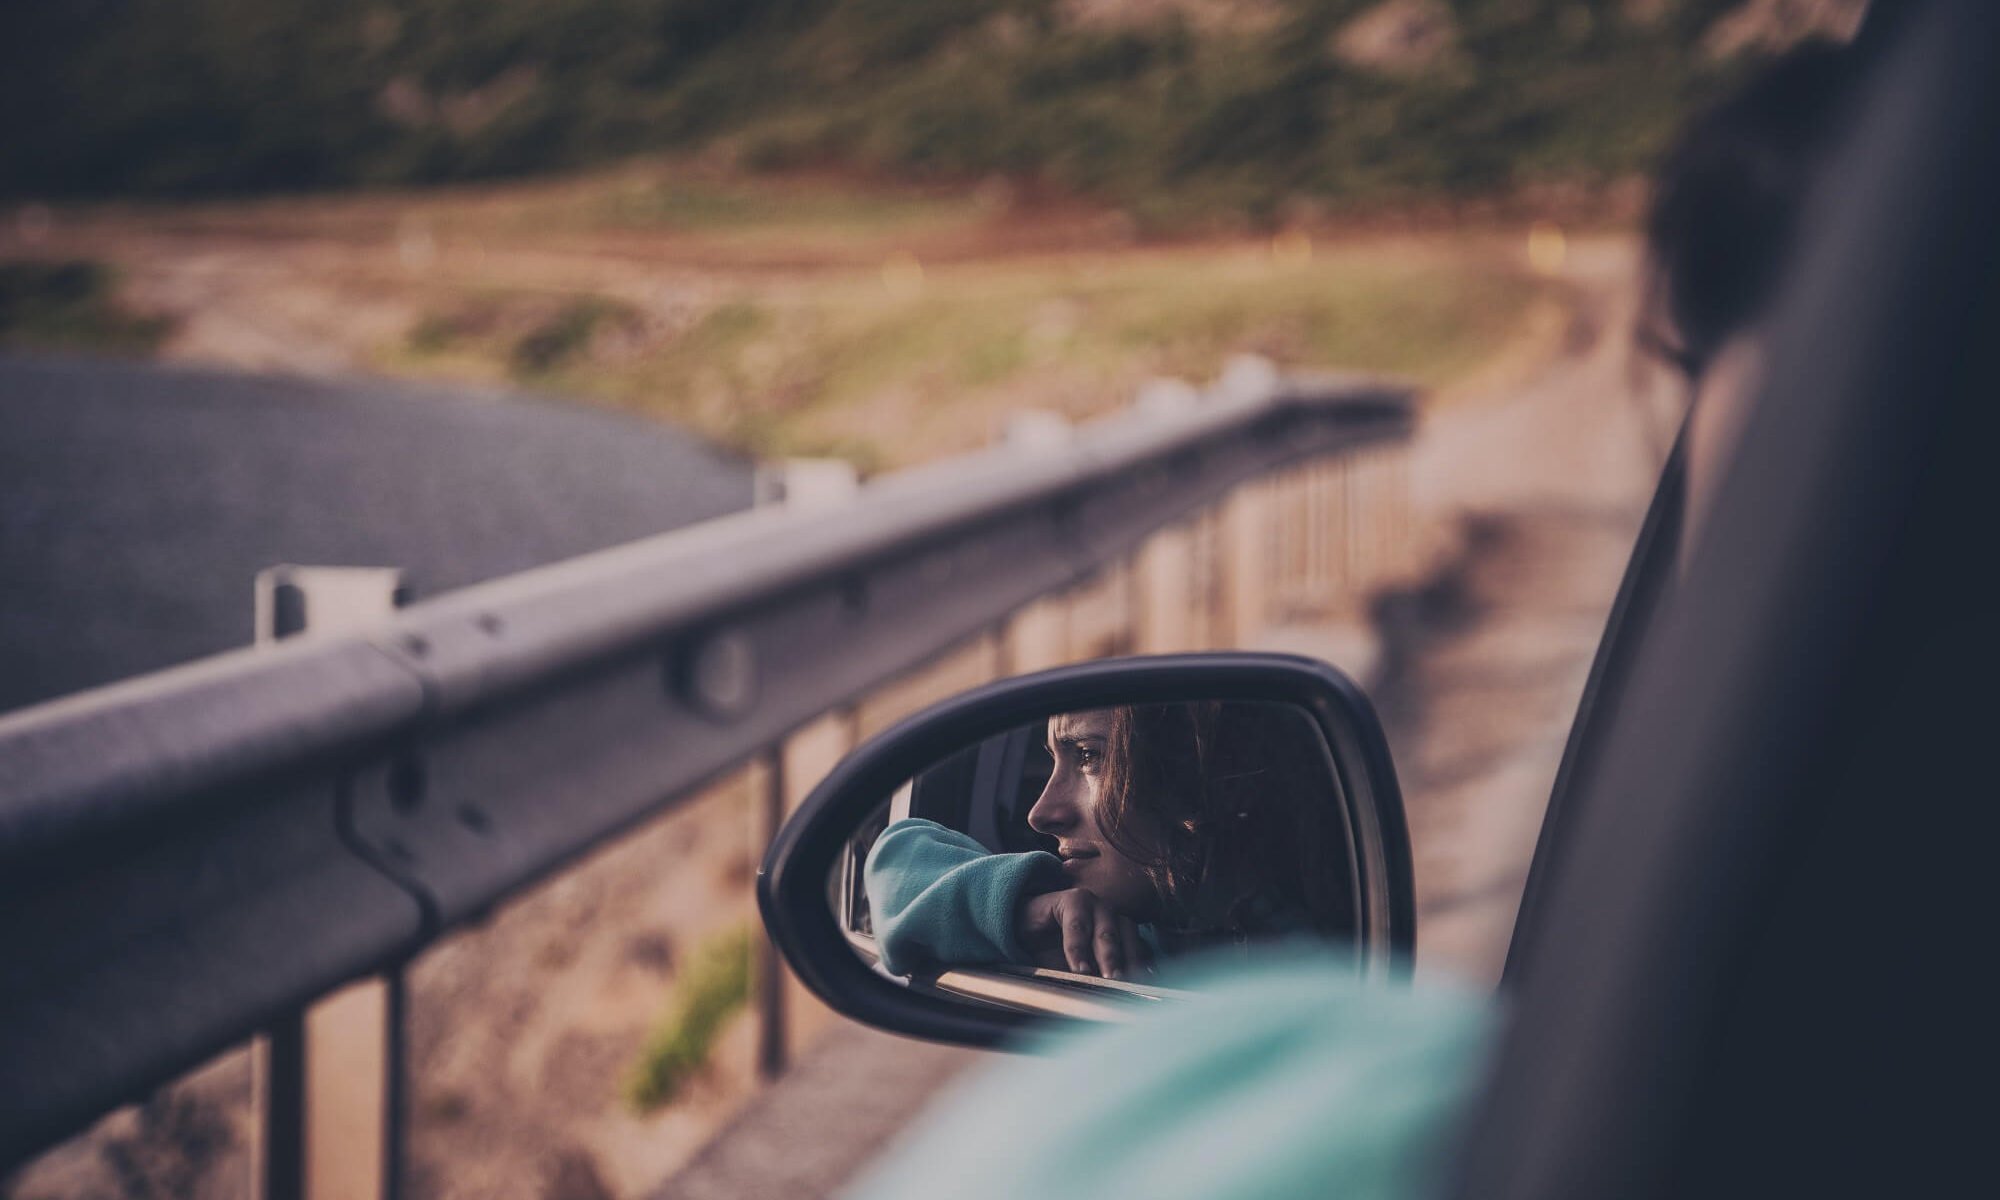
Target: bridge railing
[197, 855]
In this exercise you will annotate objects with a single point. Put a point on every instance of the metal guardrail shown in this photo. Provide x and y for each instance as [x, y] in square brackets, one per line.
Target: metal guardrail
[187, 856]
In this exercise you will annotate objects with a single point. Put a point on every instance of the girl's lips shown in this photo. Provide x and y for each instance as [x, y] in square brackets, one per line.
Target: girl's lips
[1076, 856]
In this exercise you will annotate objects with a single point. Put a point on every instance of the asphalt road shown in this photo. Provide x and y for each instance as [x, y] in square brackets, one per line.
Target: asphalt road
[137, 503]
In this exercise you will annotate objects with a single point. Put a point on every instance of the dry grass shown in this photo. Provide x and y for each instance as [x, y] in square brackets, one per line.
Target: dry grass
[802, 315]
[908, 362]
[894, 326]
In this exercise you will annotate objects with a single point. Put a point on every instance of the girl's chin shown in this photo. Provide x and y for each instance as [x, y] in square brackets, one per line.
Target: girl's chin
[1081, 875]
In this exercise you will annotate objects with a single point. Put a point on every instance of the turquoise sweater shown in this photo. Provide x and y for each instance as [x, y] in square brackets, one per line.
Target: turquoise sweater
[1281, 1078]
[937, 897]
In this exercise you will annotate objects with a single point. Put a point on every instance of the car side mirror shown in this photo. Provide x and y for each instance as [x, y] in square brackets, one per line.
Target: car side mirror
[1037, 848]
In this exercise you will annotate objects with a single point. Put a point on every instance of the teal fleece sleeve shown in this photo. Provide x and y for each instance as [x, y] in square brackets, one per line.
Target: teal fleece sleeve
[936, 896]
[1281, 1078]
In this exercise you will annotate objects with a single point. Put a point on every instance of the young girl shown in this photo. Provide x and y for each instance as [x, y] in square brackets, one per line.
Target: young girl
[1177, 826]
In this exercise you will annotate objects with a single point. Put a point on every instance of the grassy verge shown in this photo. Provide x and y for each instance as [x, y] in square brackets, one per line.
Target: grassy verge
[715, 986]
[902, 361]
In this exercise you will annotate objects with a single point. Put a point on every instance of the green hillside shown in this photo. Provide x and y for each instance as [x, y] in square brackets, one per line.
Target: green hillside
[1235, 104]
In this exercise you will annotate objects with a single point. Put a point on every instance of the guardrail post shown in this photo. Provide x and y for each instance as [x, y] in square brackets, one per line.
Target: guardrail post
[790, 769]
[327, 1081]
[1036, 637]
[278, 1095]
[806, 757]
[1376, 524]
[1324, 519]
[767, 815]
[1340, 529]
[1163, 593]
[1101, 613]
[1360, 557]
[1284, 540]
[804, 482]
[779, 783]
[1242, 559]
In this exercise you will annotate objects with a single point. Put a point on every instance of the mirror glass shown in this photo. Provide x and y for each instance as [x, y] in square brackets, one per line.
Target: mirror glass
[1056, 866]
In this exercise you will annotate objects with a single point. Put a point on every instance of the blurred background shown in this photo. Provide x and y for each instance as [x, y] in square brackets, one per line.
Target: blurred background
[465, 286]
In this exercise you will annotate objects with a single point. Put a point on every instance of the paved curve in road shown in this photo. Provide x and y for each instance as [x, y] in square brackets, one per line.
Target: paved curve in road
[137, 503]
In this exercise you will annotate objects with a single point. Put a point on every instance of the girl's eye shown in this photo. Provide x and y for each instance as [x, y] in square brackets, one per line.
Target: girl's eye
[1087, 758]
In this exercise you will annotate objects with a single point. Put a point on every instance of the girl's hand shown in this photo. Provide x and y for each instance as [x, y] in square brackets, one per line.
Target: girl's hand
[1072, 930]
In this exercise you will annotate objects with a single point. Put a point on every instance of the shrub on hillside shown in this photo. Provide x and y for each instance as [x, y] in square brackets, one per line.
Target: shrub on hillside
[715, 987]
[201, 95]
[71, 305]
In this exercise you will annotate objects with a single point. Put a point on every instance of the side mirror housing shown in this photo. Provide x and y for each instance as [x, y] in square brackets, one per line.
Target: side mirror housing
[1233, 744]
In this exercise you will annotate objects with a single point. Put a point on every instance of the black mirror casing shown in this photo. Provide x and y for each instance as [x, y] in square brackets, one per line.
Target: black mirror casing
[792, 881]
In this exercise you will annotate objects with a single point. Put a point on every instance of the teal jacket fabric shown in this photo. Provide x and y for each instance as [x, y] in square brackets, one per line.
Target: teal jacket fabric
[1283, 1078]
[938, 897]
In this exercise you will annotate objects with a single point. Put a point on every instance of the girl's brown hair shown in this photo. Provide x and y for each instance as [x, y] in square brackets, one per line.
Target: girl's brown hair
[1229, 807]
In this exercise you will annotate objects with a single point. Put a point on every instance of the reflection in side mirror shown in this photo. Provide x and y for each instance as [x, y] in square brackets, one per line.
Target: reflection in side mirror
[1047, 846]
[1102, 841]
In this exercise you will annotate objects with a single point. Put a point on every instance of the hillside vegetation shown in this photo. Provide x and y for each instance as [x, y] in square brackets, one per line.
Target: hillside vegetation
[1167, 106]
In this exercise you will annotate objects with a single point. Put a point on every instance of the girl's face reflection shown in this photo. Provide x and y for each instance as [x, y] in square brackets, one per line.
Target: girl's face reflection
[1068, 811]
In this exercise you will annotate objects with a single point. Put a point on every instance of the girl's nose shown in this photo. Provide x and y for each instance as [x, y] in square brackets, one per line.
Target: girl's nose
[1052, 813]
